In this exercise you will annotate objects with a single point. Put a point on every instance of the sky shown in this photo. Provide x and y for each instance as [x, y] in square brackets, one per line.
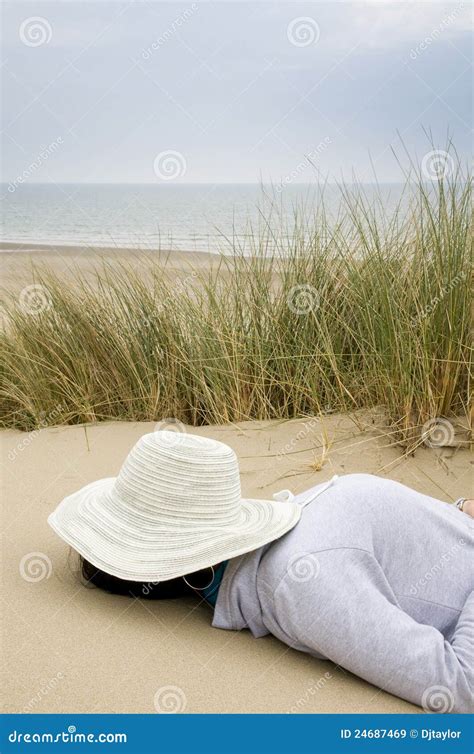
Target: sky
[224, 92]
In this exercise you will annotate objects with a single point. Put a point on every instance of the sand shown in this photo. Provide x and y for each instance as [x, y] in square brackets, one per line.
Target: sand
[18, 260]
[71, 649]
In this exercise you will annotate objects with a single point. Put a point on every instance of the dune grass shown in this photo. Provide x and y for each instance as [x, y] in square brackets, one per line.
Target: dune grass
[364, 309]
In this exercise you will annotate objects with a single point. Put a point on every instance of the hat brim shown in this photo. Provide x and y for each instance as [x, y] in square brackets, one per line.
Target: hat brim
[99, 529]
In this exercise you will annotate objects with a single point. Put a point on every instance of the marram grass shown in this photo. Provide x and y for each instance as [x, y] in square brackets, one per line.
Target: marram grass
[366, 309]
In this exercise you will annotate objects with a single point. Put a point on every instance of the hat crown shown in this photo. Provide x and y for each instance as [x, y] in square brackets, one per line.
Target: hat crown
[178, 478]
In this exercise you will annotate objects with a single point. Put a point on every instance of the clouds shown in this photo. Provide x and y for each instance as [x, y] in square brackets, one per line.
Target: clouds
[392, 24]
[227, 86]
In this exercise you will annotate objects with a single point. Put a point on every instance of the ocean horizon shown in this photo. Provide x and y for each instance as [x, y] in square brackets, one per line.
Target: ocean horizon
[182, 217]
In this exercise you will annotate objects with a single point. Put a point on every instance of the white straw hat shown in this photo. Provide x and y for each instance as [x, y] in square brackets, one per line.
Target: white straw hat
[174, 508]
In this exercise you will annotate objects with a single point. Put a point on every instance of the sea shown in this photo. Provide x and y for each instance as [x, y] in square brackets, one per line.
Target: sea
[184, 217]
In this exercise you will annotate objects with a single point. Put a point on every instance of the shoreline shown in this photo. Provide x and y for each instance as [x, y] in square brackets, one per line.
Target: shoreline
[18, 247]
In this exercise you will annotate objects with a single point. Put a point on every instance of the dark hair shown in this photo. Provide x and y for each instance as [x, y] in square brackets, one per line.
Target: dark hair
[153, 590]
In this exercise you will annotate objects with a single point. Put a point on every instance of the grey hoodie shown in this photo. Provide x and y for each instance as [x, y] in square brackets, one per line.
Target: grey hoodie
[377, 578]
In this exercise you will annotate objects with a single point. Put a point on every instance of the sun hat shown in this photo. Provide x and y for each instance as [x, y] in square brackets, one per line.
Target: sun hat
[174, 508]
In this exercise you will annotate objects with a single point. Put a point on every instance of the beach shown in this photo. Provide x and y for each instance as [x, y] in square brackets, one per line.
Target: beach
[307, 364]
[67, 647]
[17, 261]
[251, 223]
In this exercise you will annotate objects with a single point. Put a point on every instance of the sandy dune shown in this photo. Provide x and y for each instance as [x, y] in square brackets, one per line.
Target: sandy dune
[72, 649]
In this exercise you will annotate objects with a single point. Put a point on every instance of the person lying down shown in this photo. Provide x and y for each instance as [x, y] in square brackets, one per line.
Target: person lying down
[360, 570]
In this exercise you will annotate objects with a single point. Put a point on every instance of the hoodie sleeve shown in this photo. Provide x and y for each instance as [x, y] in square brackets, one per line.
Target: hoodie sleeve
[339, 605]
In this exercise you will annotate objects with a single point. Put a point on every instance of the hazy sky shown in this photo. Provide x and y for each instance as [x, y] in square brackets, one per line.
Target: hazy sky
[237, 92]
